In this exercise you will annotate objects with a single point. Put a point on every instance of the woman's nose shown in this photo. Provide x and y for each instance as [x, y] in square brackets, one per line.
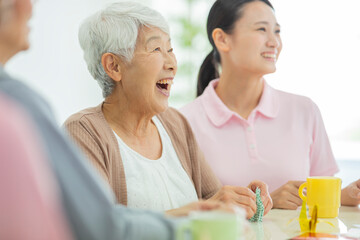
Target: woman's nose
[170, 62]
[273, 41]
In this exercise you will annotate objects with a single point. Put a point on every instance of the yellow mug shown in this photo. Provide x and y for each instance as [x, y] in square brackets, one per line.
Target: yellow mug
[324, 192]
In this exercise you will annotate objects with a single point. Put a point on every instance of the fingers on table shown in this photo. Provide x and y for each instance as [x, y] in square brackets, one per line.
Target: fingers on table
[354, 191]
[297, 184]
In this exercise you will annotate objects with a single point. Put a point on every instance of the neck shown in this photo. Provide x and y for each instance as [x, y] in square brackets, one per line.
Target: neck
[125, 119]
[240, 91]
[5, 54]
[3, 58]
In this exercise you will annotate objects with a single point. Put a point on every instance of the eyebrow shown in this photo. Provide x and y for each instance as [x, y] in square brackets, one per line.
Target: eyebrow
[153, 38]
[266, 23]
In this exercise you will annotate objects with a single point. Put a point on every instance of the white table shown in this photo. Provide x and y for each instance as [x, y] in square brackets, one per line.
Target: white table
[284, 224]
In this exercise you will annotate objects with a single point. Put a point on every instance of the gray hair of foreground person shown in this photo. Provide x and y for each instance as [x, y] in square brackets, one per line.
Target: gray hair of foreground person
[115, 30]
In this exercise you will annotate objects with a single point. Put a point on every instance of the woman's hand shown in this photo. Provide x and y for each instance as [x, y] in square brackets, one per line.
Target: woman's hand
[350, 196]
[199, 206]
[238, 196]
[265, 195]
[287, 196]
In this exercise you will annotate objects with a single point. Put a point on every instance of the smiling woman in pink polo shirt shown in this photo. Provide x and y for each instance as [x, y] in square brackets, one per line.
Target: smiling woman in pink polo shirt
[246, 128]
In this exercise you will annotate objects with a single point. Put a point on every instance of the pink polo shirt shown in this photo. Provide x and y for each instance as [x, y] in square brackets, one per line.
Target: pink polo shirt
[283, 139]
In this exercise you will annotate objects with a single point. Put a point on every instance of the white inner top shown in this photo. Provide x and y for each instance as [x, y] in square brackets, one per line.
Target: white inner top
[160, 184]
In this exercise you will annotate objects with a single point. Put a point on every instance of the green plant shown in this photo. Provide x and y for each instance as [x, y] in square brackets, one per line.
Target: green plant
[192, 47]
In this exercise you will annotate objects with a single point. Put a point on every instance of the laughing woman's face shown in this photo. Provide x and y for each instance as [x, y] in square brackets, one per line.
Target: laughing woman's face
[147, 79]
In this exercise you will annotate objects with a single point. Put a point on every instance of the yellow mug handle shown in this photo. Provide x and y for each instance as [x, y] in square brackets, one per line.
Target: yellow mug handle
[301, 189]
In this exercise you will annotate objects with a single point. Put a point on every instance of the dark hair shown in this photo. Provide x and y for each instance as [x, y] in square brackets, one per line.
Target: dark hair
[223, 14]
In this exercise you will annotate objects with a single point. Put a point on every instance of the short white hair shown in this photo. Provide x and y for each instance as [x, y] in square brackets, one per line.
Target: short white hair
[115, 30]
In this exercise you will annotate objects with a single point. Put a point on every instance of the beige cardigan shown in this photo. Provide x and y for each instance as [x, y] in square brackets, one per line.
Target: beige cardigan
[94, 136]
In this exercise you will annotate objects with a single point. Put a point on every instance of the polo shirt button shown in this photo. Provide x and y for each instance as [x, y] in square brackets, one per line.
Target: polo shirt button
[252, 146]
[249, 129]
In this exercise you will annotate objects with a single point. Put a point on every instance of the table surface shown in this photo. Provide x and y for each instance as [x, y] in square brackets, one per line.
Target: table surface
[281, 224]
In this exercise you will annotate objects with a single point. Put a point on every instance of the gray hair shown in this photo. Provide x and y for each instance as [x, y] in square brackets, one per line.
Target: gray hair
[115, 30]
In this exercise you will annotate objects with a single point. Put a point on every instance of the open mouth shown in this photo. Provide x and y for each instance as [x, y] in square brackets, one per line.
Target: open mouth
[269, 56]
[164, 86]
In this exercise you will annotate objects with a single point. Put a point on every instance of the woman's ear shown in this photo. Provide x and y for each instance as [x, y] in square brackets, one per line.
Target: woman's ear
[221, 40]
[111, 65]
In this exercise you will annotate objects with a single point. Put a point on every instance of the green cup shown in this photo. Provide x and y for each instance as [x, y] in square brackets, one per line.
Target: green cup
[212, 225]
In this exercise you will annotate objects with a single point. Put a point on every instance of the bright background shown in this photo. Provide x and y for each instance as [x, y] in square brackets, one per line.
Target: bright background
[320, 59]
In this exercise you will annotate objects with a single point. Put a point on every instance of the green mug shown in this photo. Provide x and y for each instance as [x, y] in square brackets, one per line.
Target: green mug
[212, 225]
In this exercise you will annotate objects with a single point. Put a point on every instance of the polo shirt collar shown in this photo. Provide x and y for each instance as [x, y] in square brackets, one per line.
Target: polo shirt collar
[219, 113]
[269, 102]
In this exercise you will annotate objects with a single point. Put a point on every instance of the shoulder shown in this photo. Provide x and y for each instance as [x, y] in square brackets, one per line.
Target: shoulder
[15, 126]
[296, 101]
[86, 116]
[12, 114]
[194, 111]
[24, 96]
[89, 122]
[192, 107]
[301, 108]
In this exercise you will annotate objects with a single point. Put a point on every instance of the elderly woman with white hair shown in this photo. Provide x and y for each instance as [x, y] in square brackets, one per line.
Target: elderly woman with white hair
[145, 150]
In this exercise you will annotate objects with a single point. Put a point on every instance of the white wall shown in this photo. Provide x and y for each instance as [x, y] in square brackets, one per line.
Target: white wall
[320, 59]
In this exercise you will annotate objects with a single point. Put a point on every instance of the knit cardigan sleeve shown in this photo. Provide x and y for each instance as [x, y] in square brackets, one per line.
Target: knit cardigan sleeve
[96, 139]
[84, 138]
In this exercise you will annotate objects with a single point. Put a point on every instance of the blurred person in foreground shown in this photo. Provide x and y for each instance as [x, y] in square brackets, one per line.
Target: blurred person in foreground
[145, 150]
[89, 205]
[29, 203]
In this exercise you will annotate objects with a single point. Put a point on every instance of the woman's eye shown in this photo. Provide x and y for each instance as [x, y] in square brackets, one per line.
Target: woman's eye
[262, 29]
[156, 49]
[171, 50]
[277, 31]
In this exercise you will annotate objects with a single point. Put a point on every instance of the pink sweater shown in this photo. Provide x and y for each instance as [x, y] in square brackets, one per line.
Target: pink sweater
[29, 204]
